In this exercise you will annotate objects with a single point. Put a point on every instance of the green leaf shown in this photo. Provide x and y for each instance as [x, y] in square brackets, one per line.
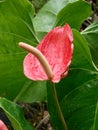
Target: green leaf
[15, 26]
[81, 57]
[95, 126]
[11, 75]
[78, 91]
[32, 91]
[16, 19]
[78, 97]
[75, 78]
[15, 115]
[45, 19]
[79, 105]
[73, 14]
[91, 35]
[14, 85]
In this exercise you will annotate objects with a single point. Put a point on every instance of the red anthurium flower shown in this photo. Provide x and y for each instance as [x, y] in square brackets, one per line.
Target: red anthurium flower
[57, 48]
[2, 126]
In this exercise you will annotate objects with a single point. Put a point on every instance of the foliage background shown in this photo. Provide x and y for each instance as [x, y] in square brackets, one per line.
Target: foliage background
[78, 99]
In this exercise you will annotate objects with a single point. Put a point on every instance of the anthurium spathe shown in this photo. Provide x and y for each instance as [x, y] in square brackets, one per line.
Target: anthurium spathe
[2, 126]
[57, 48]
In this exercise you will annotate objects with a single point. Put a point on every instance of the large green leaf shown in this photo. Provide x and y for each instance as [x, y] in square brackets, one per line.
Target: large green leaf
[32, 91]
[57, 14]
[78, 92]
[79, 106]
[15, 115]
[45, 19]
[78, 97]
[16, 19]
[79, 77]
[73, 14]
[91, 35]
[15, 26]
[81, 57]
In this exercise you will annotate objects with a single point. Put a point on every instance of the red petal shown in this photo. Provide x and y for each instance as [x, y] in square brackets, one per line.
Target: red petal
[33, 69]
[2, 126]
[57, 48]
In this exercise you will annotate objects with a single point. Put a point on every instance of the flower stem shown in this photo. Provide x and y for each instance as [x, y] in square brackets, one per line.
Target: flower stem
[58, 106]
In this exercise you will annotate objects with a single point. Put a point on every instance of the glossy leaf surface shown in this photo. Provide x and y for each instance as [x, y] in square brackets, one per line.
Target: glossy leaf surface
[32, 91]
[45, 18]
[15, 26]
[82, 58]
[58, 14]
[91, 35]
[80, 105]
[73, 14]
[78, 92]
[78, 101]
[15, 115]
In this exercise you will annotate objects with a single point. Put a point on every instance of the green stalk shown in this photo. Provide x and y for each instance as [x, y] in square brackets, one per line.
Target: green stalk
[58, 106]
